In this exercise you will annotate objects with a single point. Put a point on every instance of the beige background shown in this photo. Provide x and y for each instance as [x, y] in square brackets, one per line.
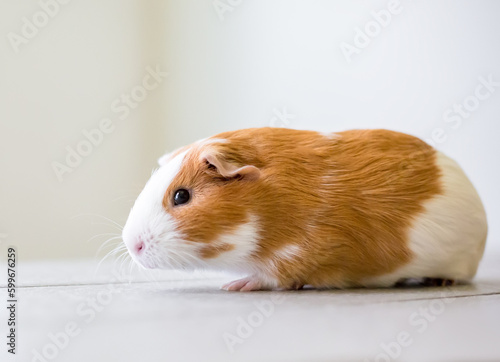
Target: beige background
[262, 58]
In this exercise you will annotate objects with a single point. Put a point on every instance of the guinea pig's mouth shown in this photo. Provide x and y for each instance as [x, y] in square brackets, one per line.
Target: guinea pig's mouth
[152, 253]
[144, 261]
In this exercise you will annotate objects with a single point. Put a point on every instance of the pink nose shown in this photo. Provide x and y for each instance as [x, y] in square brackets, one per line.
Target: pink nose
[139, 247]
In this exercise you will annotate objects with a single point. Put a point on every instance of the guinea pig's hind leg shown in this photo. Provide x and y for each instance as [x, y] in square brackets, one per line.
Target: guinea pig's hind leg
[296, 286]
[425, 282]
[244, 285]
[438, 282]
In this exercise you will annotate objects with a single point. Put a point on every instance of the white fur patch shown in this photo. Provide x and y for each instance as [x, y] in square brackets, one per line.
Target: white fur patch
[147, 219]
[331, 135]
[163, 160]
[448, 238]
[289, 252]
[244, 240]
[268, 269]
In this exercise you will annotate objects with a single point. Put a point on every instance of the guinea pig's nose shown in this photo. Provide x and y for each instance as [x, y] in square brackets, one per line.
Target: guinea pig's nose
[139, 247]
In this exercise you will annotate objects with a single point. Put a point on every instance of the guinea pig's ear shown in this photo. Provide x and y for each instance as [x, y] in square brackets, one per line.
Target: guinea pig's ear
[229, 170]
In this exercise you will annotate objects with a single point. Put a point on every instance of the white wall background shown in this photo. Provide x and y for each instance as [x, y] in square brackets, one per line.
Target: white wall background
[225, 72]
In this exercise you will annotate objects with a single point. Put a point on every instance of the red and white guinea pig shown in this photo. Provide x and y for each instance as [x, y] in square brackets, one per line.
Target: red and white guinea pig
[289, 208]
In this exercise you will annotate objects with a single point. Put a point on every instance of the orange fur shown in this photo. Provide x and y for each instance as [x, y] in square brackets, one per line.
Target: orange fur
[213, 250]
[346, 202]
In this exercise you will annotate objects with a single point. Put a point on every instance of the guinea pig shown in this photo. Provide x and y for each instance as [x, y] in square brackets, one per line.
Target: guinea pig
[288, 208]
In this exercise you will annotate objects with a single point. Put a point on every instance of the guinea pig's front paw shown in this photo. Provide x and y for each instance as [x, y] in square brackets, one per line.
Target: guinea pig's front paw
[245, 285]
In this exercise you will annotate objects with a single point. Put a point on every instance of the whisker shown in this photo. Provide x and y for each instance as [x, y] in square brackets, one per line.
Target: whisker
[109, 254]
[179, 256]
[98, 235]
[123, 256]
[120, 227]
[127, 255]
[101, 223]
[188, 255]
[130, 270]
[127, 197]
[120, 245]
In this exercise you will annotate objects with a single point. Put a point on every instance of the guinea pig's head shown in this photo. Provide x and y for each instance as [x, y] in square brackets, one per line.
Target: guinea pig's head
[195, 211]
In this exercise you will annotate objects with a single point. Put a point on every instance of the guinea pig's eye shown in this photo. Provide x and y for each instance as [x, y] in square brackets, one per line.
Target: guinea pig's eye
[181, 196]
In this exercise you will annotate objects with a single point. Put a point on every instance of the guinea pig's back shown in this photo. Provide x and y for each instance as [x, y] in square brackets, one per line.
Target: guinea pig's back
[407, 207]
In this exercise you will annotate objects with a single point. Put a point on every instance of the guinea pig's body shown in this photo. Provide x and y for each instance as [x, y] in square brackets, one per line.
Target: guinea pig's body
[290, 208]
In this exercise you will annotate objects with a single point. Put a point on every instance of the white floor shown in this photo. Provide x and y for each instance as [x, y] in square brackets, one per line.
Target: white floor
[66, 313]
